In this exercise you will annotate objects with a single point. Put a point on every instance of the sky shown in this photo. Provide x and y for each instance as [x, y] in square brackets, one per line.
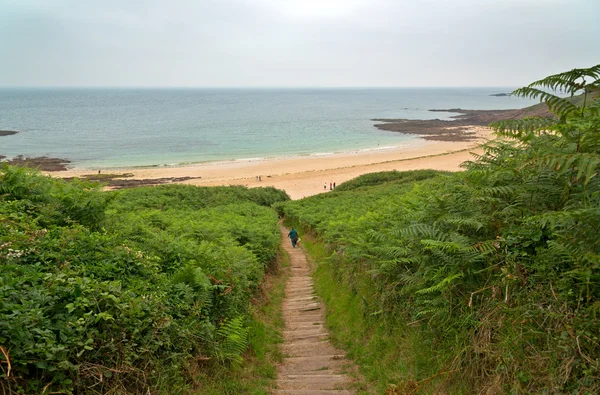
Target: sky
[294, 43]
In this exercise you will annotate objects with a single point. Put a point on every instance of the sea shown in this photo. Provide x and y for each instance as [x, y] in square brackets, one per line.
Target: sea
[98, 128]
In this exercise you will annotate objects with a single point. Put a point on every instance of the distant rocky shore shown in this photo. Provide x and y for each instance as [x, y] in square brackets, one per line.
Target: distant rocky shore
[41, 162]
[459, 128]
[121, 181]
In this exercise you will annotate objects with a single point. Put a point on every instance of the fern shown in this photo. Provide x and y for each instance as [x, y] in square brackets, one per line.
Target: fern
[233, 340]
[569, 82]
[464, 223]
[524, 129]
[556, 104]
[422, 230]
[445, 246]
[505, 191]
[563, 254]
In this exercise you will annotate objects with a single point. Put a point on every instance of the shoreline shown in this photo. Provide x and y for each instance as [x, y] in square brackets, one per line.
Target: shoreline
[302, 176]
[420, 142]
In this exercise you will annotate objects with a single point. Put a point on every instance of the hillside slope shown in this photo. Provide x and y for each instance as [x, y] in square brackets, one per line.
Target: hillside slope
[485, 281]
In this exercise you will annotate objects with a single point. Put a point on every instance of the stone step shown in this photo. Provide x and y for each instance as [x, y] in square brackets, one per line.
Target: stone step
[293, 299]
[304, 339]
[303, 290]
[308, 349]
[303, 317]
[290, 293]
[301, 294]
[303, 307]
[315, 360]
[304, 326]
[329, 367]
[305, 334]
[310, 331]
[299, 285]
[313, 382]
[301, 303]
[298, 315]
[309, 320]
[314, 392]
[309, 299]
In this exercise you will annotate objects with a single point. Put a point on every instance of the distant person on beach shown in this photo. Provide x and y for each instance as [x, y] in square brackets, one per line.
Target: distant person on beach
[294, 236]
[325, 186]
[330, 186]
[334, 185]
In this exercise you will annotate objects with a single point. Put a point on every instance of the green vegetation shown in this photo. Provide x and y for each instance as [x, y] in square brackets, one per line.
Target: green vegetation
[383, 177]
[144, 290]
[257, 373]
[485, 281]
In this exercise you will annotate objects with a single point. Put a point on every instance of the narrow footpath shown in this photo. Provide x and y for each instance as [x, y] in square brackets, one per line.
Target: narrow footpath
[312, 365]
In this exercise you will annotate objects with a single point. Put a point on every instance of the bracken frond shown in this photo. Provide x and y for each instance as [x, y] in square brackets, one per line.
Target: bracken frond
[523, 129]
[423, 231]
[234, 340]
[563, 254]
[569, 81]
[558, 105]
[464, 223]
[440, 285]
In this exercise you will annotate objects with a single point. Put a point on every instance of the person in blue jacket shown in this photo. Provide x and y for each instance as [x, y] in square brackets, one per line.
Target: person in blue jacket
[294, 236]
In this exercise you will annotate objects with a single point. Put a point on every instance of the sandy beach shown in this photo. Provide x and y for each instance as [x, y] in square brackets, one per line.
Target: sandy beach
[306, 175]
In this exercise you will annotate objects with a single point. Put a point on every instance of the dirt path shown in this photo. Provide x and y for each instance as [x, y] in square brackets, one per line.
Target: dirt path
[312, 365]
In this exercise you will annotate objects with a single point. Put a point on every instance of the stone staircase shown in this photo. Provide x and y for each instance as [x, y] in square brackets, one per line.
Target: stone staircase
[312, 365]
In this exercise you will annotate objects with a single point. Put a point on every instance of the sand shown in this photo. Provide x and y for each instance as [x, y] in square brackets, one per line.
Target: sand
[306, 175]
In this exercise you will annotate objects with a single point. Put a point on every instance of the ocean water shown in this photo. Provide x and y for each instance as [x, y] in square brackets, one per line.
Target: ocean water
[102, 128]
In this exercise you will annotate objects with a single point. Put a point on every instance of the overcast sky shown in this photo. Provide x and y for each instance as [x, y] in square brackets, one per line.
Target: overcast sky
[304, 43]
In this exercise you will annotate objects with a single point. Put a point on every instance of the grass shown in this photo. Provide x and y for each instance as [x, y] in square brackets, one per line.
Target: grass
[392, 357]
[257, 373]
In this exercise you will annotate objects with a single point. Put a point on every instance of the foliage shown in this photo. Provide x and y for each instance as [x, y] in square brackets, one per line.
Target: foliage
[196, 198]
[372, 179]
[54, 202]
[498, 267]
[112, 292]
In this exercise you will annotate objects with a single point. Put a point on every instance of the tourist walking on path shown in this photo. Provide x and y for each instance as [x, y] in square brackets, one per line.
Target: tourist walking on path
[294, 236]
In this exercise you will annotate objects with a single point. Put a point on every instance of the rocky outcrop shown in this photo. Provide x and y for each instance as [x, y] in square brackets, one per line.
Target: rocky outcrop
[41, 162]
[459, 128]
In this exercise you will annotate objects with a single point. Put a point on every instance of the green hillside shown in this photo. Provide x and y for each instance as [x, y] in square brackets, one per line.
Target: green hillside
[484, 281]
[123, 292]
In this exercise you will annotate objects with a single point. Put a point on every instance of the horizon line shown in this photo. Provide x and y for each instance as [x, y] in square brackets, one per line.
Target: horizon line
[246, 87]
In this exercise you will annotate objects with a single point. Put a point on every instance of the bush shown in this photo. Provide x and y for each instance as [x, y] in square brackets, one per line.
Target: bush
[123, 291]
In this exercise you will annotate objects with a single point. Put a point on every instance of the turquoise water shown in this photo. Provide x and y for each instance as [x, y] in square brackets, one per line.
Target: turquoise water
[99, 128]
